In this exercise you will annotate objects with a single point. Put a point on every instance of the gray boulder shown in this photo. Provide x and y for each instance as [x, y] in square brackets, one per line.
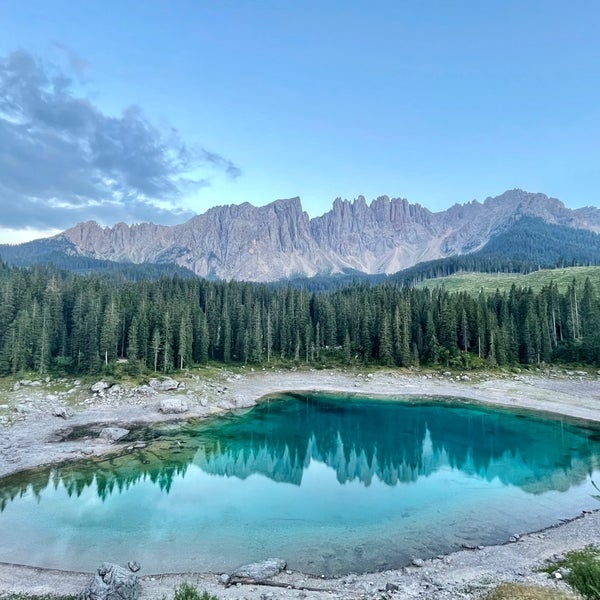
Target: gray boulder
[112, 582]
[99, 386]
[173, 406]
[164, 385]
[258, 571]
[64, 412]
[144, 390]
[133, 566]
[113, 434]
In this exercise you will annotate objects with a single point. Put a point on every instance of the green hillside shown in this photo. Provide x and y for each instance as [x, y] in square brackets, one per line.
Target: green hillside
[474, 282]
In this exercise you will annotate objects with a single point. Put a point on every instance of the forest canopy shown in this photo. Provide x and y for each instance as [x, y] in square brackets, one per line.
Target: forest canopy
[53, 321]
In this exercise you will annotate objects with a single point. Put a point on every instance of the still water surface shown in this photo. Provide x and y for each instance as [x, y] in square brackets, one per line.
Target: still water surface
[332, 484]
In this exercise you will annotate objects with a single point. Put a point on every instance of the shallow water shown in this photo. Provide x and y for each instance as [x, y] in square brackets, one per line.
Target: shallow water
[332, 484]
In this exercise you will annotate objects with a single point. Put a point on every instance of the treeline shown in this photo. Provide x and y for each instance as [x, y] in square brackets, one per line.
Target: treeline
[57, 322]
[413, 276]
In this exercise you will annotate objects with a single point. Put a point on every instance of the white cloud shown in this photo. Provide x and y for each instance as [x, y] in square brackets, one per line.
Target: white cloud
[62, 160]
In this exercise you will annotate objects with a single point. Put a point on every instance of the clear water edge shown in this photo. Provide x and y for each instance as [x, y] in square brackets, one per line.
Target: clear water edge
[331, 485]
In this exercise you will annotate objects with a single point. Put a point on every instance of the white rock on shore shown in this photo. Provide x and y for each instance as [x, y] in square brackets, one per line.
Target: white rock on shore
[174, 406]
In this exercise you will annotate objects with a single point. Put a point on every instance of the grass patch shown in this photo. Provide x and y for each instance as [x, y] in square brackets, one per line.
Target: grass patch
[582, 571]
[517, 591]
[489, 282]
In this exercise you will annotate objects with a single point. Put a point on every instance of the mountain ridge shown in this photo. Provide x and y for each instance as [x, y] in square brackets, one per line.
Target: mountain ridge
[279, 240]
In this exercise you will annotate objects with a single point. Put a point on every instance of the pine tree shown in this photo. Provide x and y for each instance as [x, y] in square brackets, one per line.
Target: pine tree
[44, 349]
[269, 335]
[256, 352]
[184, 341]
[401, 335]
[430, 343]
[167, 354]
[132, 341]
[202, 339]
[156, 347]
[347, 346]
[590, 324]
[386, 356]
[109, 335]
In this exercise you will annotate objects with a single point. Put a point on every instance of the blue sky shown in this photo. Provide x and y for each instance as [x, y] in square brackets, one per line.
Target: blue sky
[157, 110]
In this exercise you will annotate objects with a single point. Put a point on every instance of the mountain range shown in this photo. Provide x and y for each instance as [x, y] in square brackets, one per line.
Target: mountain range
[280, 241]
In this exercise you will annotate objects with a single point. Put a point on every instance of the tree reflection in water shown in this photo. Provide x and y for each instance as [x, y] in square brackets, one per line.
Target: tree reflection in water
[361, 439]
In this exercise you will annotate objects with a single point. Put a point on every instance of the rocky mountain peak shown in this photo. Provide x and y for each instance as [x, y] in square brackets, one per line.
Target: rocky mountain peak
[279, 239]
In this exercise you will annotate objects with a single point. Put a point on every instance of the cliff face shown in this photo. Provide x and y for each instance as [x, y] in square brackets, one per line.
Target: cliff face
[279, 240]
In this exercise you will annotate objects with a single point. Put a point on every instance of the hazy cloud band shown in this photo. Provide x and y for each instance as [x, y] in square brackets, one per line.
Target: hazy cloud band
[62, 160]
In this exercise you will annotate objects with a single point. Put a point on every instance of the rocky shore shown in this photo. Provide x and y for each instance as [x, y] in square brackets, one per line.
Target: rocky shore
[36, 417]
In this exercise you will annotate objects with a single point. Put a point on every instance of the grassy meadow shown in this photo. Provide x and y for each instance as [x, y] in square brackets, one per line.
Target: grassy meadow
[475, 282]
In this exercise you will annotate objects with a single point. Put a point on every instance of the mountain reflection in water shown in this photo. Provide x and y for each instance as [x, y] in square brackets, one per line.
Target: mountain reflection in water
[360, 439]
[400, 442]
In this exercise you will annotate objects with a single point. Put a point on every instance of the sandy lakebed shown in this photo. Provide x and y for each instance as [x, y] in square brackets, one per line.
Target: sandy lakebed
[30, 434]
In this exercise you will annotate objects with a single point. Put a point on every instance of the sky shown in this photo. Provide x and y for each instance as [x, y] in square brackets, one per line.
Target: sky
[157, 110]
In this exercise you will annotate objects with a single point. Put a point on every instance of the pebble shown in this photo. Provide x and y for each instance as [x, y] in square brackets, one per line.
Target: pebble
[134, 567]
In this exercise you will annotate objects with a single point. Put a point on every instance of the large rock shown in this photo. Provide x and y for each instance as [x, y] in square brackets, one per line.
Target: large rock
[99, 386]
[173, 406]
[143, 390]
[164, 385]
[112, 582]
[113, 434]
[258, 571]
[64, 412]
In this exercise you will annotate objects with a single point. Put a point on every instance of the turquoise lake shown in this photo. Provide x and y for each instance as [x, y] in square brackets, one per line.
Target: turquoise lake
[332, 484]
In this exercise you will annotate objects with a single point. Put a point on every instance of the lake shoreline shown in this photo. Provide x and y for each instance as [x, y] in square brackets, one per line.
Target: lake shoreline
[27, 444]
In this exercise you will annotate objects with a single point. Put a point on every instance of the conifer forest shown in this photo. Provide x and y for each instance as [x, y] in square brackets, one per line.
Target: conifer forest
[56, 322]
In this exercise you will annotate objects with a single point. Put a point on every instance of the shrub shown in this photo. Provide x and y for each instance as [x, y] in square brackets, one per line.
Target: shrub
[186, 591]
[582, 571]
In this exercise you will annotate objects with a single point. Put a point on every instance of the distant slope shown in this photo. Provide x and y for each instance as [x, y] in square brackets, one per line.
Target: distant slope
[473, 283]
[527, 245]
[532, 240]
[523, 246]
[59, 253]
